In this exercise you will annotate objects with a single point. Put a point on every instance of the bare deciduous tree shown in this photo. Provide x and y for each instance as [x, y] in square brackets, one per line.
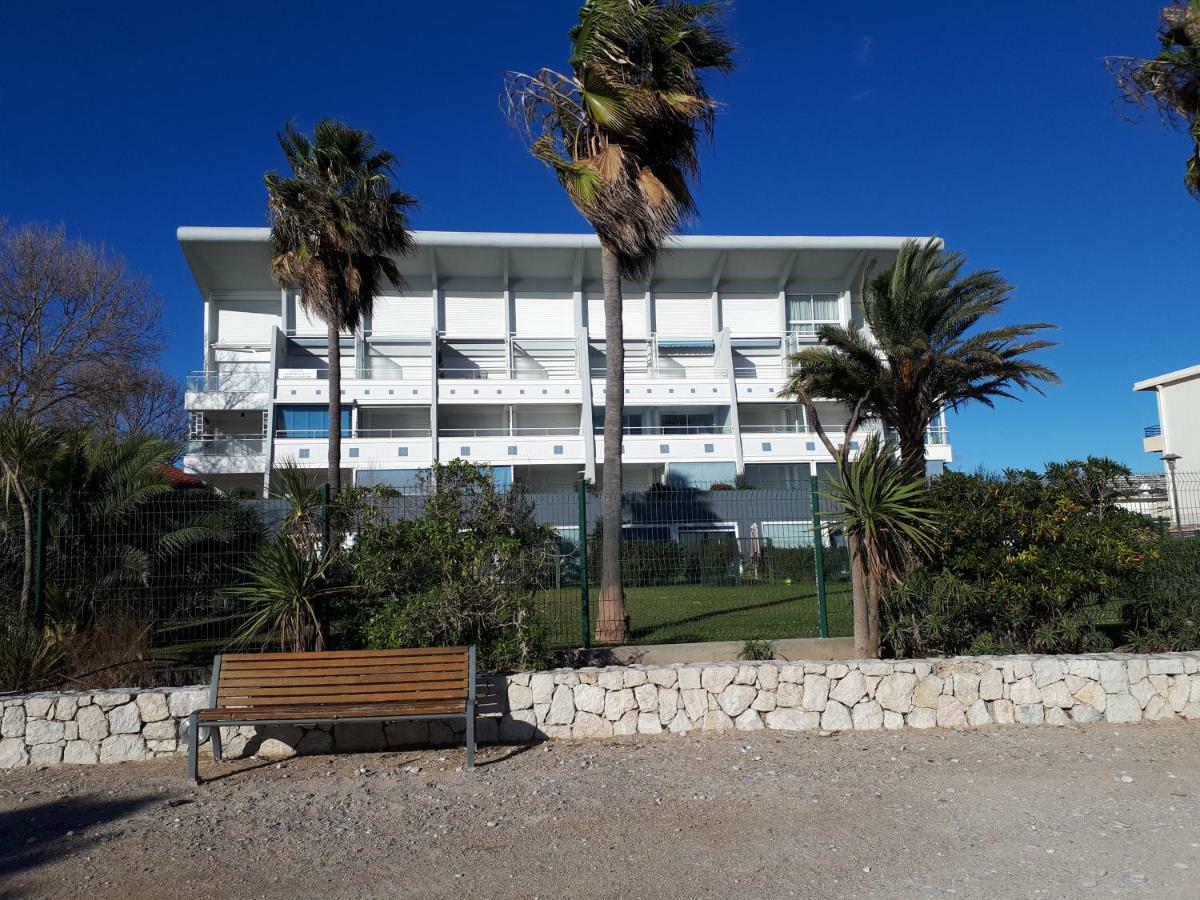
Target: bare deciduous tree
[73, 321]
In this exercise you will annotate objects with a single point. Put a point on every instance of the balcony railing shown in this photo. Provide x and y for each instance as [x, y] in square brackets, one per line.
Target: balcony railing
[237, 381]
[456, 373]
[551, 431]
[393, 373]
[322, 434]
[774, 429]
[937, 435]
[225, 445]
[670, 429]
[701, 373]
[1153, 431]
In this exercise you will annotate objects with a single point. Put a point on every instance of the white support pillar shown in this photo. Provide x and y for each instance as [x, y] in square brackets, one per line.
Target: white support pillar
[583, 365]
[434, 340]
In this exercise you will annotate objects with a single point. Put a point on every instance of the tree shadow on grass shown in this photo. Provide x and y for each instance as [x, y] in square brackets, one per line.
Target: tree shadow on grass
[34, 835]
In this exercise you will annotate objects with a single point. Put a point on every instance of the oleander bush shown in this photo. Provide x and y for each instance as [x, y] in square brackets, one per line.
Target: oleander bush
[1161, 608]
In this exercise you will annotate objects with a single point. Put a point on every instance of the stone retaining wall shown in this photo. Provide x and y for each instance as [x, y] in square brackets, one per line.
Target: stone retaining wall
[114, 726]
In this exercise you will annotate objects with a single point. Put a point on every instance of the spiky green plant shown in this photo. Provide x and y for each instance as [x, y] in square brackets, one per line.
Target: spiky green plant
[336, 225]
[286, 595]
[886, 516]
[621, 133]
[1170, 81]
[920, 357]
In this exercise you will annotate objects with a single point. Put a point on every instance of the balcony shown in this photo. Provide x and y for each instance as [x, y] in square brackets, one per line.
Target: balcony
[395, 384]
[244, 387]
[1153, 441]
[462, 373]
[225, 453]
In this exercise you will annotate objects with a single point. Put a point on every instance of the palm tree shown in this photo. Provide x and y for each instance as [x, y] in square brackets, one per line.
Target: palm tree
[336, 224]
[918, 359]
[887, 522]
[622, 133]
[1171, 80]
[26, 452]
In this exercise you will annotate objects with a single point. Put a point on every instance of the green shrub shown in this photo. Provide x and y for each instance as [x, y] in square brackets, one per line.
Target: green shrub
[757, 650]
[1023, 564]
[466, 572]
[1161, 609]
[27, 660]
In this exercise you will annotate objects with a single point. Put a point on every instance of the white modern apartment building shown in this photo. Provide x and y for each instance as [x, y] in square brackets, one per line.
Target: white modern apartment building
[494, 352]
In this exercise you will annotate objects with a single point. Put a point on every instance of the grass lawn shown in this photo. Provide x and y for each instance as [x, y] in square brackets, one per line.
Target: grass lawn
[689, 612]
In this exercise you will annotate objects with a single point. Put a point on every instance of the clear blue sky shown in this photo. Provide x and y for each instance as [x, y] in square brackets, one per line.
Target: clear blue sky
[990, 124]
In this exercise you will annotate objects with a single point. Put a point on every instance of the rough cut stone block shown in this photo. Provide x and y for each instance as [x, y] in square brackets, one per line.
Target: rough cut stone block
[1024, 692]
[876, 669]
[790, 694]
[794, 674]
[124, 719]
[542, 686]
[663, 677]
[1113, 676]
[689, 678]
[836, 717]
[991, 684]
[1084, 668]
[611, 679]
[748, 721]
[716, 678]
[867, 716]
[648, 723]
[1178, 692]
[696, 703]
[627, 724]
[152, 706]
[892, 720]
[816, 693]
[668, 703]
[1142, 691]
[922, 717]
[358, 737]
[1092, 694]
[1056, 716]
[764, 701]
[951, 713]
[64, 709]
[181, 703]
[13, 754]
[895, 692]
[1056, 696]
[1003, 712]
[590, 725]
[681, 723]
[928, 691]
[646, 696]
[966, 687]
[1084, 714]
[617, 703]
[43, 731]
[1157, 708]
[716, 720]
[850, 689]
[977, 714]
[517, 726]
[590, 698]
[793, 720]
[634, 677]
[746, 675]
[1031, 713]
[519, 697]
[1047, 671]
[768, 676]
[81, 753]
[45, 754]
[12, 723]
[737, 698]
[562, 707]
[93, 725]
[39, 707]
[122, 748]
[279, 741]
[1137, 669]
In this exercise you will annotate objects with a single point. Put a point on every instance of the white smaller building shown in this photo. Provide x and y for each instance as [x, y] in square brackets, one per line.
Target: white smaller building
[1177, 438]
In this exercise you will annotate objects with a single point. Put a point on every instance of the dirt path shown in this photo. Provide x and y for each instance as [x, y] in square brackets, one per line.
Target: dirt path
[1018, 812]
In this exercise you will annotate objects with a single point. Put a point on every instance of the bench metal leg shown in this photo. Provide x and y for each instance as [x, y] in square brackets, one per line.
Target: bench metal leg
[214, 735]
[193, 746]
[470, 735]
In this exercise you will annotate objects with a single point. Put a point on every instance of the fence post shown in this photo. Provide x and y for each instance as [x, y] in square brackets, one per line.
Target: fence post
[818, 554]
[325, 515]
[584, 610]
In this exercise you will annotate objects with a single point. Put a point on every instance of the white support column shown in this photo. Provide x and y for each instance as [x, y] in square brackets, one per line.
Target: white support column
[583, 365]
[434, 340]
[784, 277]
[508, 319]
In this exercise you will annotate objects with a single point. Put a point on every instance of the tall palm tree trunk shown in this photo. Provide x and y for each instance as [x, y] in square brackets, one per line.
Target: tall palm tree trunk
[612, 619]
[864, 647]
[334, 476]
[912, 451]
[27, 562]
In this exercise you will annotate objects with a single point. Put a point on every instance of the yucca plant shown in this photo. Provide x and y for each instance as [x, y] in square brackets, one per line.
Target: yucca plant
[286, 594]
[27, 660]
[887, 519]
[622, 133]
[293, 484]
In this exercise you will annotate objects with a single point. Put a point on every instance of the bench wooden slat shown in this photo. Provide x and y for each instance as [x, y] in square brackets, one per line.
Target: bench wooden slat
[451, 689]
[319, 681]
[331, 712]
[432, 663]
[327, 655]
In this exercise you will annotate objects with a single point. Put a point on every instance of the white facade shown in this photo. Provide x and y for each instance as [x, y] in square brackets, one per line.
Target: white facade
[494, 352]
[1177, 435]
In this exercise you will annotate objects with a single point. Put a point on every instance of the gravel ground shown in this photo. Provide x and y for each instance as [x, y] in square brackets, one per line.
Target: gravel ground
[1015, 812]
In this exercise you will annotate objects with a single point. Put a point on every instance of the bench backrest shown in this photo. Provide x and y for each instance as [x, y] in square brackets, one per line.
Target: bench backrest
[428, 676]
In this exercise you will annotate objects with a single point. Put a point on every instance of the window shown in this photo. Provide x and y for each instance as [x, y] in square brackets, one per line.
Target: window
[808, 312]
[787, 535]
[310, 422]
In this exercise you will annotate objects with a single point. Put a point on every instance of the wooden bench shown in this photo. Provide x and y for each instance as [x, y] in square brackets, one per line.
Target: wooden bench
[334, 687]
